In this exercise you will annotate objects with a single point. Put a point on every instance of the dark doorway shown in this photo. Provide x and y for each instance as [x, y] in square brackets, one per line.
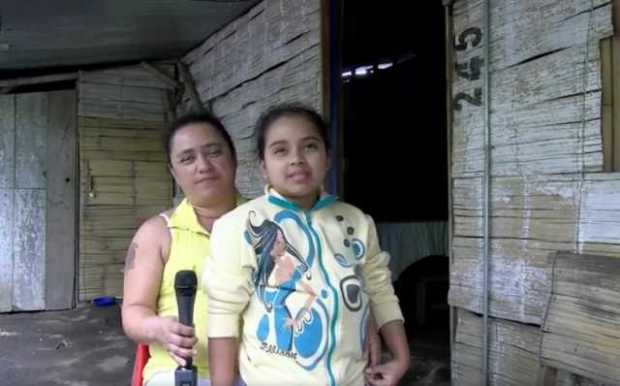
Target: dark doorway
[394, 147]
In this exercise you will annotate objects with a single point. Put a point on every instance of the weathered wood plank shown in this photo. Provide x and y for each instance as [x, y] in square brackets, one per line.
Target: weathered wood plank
[61, 208]
[599, 225]
[124, 175]
[158, 170]
[110, 168]
[519, 272]
[531, 217]
[6, 249]
[7, 141]
[103, 131]
[546, 125]
[31, 138]
[581, 330]
[122, 109]
[513, 352]
[297, 79]
[29, 250]
[135, 76]
[121, 93]
[522, 30]
[254, 43]
[468, 117]
[157, 156]
[111, 123]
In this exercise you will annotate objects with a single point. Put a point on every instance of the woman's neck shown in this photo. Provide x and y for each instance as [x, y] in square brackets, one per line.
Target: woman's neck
[207, 214]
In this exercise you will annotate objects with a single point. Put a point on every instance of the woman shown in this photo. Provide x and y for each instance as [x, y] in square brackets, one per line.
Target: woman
[202, 160]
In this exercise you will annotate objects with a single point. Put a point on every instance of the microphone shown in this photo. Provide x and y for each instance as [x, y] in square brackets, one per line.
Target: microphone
[185, 289]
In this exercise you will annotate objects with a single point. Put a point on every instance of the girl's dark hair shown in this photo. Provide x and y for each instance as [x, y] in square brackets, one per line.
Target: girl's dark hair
[194, 118]
[288, 110]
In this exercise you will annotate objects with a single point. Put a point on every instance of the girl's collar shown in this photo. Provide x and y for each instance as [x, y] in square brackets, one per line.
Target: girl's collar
[325, 200]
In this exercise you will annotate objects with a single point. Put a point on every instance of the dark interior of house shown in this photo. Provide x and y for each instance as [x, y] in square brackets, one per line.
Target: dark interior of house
[395, 156]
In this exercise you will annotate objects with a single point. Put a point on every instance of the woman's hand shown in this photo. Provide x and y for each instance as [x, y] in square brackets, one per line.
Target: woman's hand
[178, 339]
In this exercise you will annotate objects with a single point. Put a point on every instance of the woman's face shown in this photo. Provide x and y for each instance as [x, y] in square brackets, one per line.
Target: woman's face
[201, 163]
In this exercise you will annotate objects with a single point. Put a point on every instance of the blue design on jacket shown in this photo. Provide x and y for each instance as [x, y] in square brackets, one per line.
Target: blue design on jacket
[280, 269]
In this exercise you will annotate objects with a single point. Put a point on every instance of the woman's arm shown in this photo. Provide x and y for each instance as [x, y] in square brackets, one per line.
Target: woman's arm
[144, 267]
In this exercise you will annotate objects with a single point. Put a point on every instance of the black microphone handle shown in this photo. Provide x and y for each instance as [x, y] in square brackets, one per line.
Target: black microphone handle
[186, 309]
[185, 289]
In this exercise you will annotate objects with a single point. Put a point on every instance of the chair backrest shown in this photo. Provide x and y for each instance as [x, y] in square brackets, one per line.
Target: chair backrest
[142, 356]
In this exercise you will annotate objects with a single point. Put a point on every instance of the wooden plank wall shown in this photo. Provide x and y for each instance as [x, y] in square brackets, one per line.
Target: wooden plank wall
[581, 331]
[37, 150]
[7, 190]
[60, 267]
[548, 191]
[269, 55]
[29, 210]
[123, 173]
[540, 149]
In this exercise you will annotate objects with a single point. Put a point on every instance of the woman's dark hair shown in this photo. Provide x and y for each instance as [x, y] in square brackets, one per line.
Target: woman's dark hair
[194, 118]
[288, 110]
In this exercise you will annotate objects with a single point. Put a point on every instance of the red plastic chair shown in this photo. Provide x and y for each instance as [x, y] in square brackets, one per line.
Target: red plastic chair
[142, 356]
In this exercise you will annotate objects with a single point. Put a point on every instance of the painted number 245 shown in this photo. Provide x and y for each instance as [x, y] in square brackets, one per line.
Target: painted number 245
[470, 38]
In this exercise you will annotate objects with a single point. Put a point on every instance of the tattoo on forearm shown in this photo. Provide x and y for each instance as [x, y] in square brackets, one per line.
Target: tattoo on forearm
[131, 256]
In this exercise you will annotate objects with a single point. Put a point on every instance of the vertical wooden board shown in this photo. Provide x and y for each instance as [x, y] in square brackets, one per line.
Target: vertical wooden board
[616, 92]
[7, 141]
[6, 249]
[61, 201]
[29, 250]
[31, 127]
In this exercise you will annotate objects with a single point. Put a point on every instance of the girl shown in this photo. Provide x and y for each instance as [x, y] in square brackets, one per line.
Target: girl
[302, 271]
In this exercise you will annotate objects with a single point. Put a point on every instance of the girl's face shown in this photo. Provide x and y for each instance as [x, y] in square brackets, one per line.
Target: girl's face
[296, 161]
[202, 164]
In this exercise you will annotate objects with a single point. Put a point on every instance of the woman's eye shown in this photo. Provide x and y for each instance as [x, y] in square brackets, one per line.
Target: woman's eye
[187, 159]
[279, 151]
[312, 146]
[214, 153]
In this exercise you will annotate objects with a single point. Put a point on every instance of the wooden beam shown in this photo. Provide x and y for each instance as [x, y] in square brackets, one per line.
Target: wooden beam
[159, 74]
[10, 83]
[190, 86]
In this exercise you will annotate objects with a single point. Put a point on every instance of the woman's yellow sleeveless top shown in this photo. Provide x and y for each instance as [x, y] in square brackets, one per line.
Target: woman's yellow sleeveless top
[189, 245]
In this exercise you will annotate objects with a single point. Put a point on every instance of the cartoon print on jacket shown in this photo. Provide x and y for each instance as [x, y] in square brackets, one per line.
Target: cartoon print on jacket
[295, 330]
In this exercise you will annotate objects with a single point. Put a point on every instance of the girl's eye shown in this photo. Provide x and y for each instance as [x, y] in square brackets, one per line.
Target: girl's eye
[312, 146]
[279, 151]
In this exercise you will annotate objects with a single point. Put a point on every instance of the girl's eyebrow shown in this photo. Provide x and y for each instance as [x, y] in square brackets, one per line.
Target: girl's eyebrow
[281, 142]
[311, 138]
